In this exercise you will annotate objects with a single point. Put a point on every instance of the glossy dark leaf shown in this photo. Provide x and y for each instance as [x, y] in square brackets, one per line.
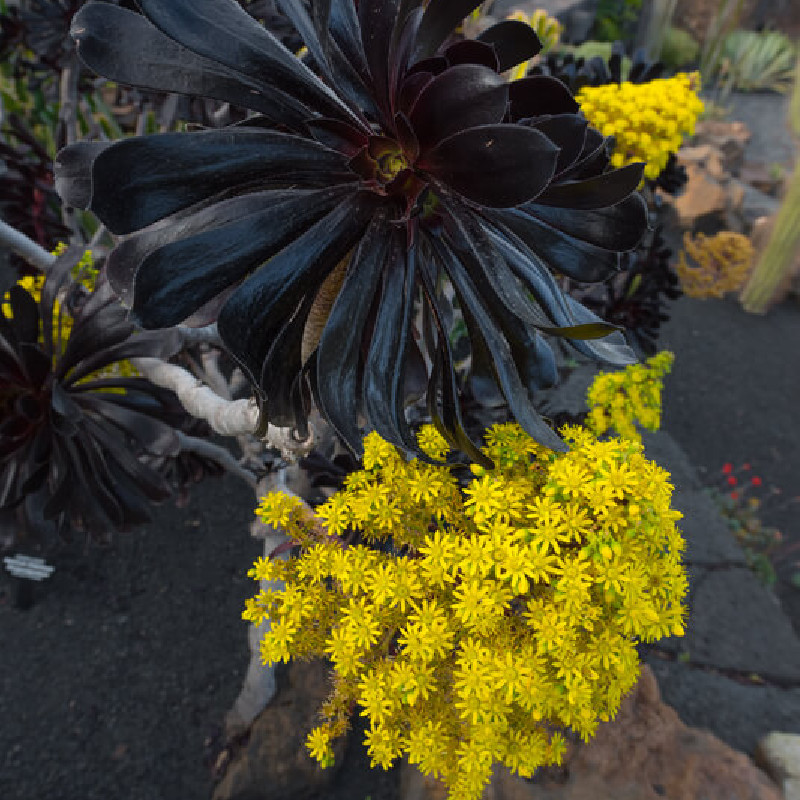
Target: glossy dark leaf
[312, 27]
[282, 369]
[111, 40]
[386, 363]
[570, 255]
[561, 308]
[520, 160]
[472, 51]
[377, 21]
[601, 191]
[339, 349]
[126, 258]
[178, 278]
[224, 32]
[514, 42]
[344, 29]
[96, 331]
[73, 172]
[461, 97]
[619, 227]
[568, 133]
[515, 392]
[149, 432]
[25, 320]
[58, 276]
[539, 95]
[139, 181]
[249, 320]
[338, 135]
[147, 344]
[440, 19]
[508, 302]
[443, 396]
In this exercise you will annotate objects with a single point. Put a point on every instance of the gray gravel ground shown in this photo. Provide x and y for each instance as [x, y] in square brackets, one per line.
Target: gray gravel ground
[115, 683]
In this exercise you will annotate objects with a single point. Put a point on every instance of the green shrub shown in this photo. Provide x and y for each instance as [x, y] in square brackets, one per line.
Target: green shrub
[753, 61]
[679, 49]
[616, 19]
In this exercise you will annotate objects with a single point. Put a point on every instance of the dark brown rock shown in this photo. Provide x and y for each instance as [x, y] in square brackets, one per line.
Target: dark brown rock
[703, 204]
[274, 764]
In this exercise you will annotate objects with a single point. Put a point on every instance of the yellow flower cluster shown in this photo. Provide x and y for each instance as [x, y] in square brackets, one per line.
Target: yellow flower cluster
[722, 264]
[619, 400]
[648, 120]
[474, 625]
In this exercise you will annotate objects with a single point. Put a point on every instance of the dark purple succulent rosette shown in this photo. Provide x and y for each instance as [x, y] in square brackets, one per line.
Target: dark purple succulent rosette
[69, 440]
[394, 149]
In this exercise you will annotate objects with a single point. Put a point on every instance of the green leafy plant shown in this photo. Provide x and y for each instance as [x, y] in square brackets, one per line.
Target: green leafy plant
[616, 19]
[679, 48]
[720, 25]
[757, 61]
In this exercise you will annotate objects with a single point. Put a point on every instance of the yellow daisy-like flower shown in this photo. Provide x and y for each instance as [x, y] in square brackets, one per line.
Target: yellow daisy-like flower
[481, 621]
[319, 746]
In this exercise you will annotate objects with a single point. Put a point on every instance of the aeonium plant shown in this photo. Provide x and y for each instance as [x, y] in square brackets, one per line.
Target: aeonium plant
[391, 160]
[72, 431]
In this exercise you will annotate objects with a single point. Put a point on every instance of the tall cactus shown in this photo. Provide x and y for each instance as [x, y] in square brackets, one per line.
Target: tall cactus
[783, 247]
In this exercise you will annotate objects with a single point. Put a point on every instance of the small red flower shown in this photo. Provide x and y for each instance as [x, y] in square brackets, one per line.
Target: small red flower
[732, 481]
[727, 468]
[756, 481]
[745, 466]
[734, 495]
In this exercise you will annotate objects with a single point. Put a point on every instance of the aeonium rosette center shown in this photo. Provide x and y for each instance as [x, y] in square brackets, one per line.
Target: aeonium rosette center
[396, 158]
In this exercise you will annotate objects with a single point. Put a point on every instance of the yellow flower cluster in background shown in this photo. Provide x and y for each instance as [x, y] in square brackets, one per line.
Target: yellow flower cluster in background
[32, 284]
[648, 120]
[473, 625]
[722, 264]
[84, 271]
[620, 400]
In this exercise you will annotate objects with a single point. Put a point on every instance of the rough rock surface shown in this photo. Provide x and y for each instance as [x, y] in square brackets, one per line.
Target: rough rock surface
[274, 763]
[737, 711]
[757, 637]
[729, 138]
[779, 755]
[644, 754]
[703, 204]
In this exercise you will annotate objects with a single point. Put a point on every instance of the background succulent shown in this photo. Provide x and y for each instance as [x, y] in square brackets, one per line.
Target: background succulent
[69, 434]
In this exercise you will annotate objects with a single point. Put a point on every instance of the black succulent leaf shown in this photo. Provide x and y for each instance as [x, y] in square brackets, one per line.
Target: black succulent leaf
[637, 298]
[575, 73]
[578, 72]
[402, 160]
[69, 431]
[28, 201]
[185, 468]
[266, 12]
